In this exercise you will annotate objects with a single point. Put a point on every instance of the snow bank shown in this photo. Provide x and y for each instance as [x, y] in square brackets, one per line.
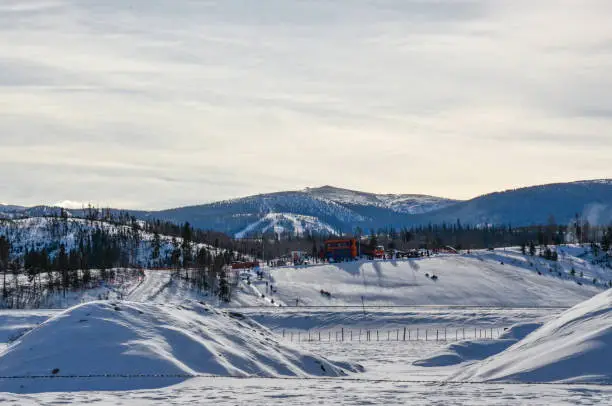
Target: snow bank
[127, 338]
[472, 350]
[574, 347]
[475, 280]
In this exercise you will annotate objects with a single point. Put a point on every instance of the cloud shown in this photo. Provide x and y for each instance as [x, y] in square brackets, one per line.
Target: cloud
[69, 204]
[150, 104]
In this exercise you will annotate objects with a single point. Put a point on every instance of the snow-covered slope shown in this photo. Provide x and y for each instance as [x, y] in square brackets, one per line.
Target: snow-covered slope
[49, 232]
[286, 222]
[471, 350]
[127, 338]
[343, 210]
[400, 203]
[532, 205]
[479, 279]
[310, 210]
[576, 347]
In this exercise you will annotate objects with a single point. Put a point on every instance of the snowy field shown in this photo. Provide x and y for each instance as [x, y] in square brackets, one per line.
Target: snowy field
[164, 330]
[390, 379]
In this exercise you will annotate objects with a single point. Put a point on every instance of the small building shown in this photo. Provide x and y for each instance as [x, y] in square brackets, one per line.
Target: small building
[340, 249]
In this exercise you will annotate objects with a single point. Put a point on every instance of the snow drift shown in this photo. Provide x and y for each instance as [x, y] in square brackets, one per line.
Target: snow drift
[133, 339]
[472, 350]
[574, 347]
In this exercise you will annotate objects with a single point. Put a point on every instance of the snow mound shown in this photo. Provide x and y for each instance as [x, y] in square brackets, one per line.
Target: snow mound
[574, 347]
[473, 350]
[134, 339]
[462, 280]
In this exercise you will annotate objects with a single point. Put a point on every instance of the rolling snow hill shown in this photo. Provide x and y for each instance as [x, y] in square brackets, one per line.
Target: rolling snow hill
[506, 279]
[574, 347]
[164, 344]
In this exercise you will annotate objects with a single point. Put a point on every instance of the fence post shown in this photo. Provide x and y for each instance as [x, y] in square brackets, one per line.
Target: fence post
[417, 334]
[299, 335]
[404, 333]
[377, 339]
[292, 336]
[436, 334]
[388, 335]
[319, 335]
[445, 339]
[426, 335]
[397, 335]
[329, 335]
[283, 333]
[343, 334]
[456, 335]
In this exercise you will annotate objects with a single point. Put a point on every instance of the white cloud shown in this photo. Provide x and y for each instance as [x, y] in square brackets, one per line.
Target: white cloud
[69, 204]
[150, 104]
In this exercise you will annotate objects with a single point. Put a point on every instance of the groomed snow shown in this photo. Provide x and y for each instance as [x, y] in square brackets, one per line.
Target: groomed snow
[478, 279]
[128, 338]
[574, 347]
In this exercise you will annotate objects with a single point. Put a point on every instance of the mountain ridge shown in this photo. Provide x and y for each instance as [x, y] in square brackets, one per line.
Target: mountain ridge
[330, 209]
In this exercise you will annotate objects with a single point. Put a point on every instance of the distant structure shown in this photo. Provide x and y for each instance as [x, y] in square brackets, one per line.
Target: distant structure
[245, 265]
[340, 249]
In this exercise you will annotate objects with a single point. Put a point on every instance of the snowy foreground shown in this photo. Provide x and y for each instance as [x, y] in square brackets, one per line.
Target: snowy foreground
[152, 343]
[163, 343]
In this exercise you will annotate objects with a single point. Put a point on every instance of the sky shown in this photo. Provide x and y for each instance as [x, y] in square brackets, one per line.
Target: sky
[154, 104]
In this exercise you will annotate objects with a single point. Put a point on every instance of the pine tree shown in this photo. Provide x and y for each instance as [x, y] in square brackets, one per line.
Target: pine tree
[5, 251]
[532, 248]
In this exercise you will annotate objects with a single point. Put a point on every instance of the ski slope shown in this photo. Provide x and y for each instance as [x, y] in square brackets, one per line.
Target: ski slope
[478, 279]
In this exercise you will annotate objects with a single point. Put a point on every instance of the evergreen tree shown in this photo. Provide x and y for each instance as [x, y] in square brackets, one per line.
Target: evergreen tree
[532, 248]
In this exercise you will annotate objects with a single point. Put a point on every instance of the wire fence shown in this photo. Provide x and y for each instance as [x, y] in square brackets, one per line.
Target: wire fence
[445, 334]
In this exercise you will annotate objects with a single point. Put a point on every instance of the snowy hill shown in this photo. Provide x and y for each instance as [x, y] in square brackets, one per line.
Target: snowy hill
[480, 279]
[402, 203]
[532, 205]
[574, 347]
[165, 343]
[37, 233]
[326, 209]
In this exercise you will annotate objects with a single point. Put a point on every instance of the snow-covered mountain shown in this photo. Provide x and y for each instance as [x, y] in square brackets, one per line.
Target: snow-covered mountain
[325, 209]
[592, 200]
[402, 203]
[329, 209]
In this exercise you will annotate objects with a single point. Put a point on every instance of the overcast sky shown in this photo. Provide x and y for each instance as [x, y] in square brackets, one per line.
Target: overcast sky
[159, 103]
